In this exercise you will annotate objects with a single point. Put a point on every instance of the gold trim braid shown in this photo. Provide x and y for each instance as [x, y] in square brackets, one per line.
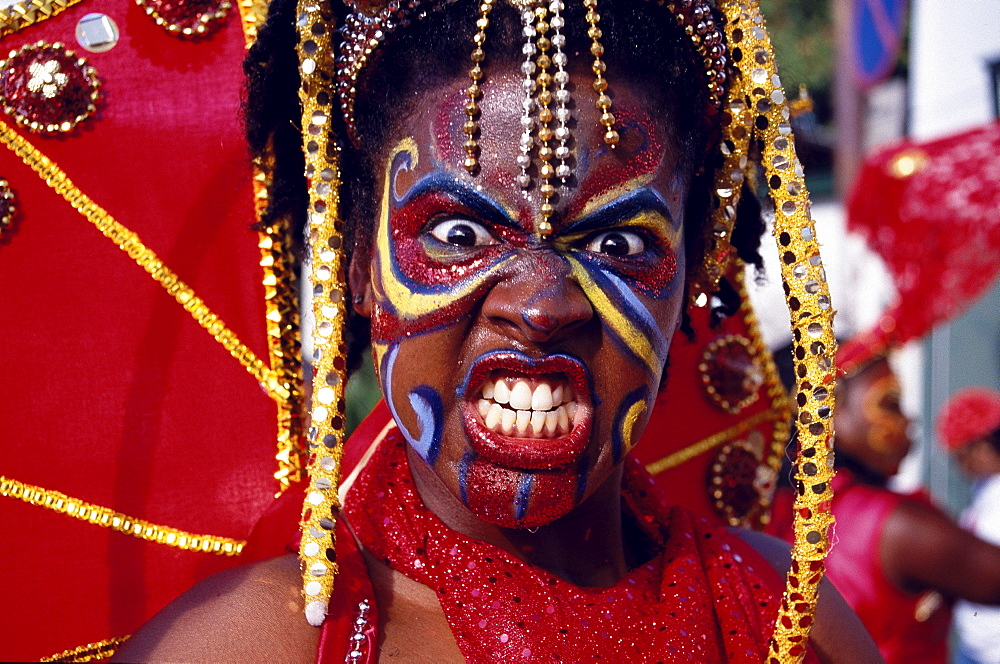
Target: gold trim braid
[91, 652]
[22, 14]
[130, 243]
[108, 518]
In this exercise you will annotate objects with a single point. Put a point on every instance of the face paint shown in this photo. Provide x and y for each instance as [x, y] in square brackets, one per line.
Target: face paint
[521, 370]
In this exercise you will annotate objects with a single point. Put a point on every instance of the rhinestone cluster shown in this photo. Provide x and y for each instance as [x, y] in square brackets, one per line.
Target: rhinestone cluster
[358, 633]
[47, 89]
[187, 18]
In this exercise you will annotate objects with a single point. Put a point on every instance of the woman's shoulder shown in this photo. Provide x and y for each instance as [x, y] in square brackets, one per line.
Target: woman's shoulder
[249, 613]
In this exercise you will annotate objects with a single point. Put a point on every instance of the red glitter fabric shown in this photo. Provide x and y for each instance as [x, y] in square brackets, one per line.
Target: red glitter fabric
[707, 597]
[930, 211]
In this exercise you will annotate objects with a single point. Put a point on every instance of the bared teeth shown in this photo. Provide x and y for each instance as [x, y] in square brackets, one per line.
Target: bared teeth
[538, 423]
[520, 396]
[500, 392]
[492, 418]
[507, 418]
[542, 412]
[541, 399]
[523, 417]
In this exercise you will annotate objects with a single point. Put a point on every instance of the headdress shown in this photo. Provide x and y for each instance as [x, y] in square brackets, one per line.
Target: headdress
[941, 249]
[968, 415]
[750, 103]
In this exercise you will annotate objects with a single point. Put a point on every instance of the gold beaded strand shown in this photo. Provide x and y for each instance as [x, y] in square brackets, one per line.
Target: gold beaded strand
[600, 83]
[545, 152]
[471, 126]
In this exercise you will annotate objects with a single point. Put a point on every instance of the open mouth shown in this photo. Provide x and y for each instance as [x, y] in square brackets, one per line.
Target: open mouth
[525, 413]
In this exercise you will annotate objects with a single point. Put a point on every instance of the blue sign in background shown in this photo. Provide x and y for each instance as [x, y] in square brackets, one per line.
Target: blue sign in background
[878, 35]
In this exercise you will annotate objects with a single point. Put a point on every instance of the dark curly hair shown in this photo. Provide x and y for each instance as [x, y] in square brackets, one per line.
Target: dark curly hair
[643, 45]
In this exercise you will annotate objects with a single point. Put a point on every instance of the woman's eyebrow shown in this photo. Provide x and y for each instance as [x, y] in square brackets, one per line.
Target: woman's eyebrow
[637, 201]
[475, 201]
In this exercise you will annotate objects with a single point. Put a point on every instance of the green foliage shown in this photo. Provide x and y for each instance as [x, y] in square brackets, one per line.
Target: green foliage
[802, 32]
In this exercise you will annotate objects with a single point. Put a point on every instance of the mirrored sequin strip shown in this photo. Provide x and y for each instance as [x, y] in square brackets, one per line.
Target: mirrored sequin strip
[317, 553]
[108, 518]
[811, 319]
[22, 14]
[92, 652]
[130, 243]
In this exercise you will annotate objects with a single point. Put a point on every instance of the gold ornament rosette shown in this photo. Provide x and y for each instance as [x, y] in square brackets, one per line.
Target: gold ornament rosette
[326, 431]
[757, 102]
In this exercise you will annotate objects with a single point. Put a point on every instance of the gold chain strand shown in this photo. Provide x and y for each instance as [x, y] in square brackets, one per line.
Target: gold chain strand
[327, 425]
[811, 320]
[130, 243]
[108, 518]
[543, 81]
[22, 14]
[600, 83]
[91, 652]
[281, 302]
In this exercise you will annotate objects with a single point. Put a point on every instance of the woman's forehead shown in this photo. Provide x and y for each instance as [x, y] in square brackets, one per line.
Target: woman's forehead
[644, 155]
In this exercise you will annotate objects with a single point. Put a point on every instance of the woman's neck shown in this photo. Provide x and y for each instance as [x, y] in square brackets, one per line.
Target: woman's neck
[587, 547]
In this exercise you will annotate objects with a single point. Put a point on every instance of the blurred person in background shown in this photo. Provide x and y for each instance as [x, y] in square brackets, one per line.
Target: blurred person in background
[968, 427]
[898, 560]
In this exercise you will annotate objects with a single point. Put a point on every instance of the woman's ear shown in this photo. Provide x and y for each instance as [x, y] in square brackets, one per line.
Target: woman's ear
[360, 283]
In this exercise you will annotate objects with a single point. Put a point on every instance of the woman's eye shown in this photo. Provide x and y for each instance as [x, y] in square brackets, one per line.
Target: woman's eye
[617, 244]
[461, 233]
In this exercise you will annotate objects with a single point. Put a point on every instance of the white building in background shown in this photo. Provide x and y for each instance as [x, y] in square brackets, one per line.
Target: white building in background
[952, 46]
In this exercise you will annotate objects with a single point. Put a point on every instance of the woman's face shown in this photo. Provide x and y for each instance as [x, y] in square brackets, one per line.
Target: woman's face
[522, 370]
[870, 424]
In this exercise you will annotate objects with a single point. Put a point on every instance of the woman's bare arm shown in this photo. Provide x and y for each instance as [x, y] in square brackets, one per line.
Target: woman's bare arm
[251, 613]
[837, 636]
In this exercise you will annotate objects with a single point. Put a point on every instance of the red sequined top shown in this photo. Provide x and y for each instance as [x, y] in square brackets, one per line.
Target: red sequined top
[706, 597]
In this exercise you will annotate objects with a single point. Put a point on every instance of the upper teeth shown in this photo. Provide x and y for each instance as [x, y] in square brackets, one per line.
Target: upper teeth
[542, 411]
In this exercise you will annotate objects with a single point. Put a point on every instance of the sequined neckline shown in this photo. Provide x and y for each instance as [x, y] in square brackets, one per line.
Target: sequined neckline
[501, 608]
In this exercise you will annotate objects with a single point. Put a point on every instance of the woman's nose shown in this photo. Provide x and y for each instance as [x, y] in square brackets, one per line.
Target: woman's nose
[537, 300]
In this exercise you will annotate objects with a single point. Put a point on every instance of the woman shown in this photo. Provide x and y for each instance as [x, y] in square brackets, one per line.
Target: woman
[521, 294]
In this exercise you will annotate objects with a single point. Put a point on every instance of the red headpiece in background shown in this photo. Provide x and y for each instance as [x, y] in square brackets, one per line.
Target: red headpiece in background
[932, 212]
[969, 415]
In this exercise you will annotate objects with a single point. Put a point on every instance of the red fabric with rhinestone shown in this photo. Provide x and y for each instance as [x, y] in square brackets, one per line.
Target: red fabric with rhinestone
[707, 597]
[930, 211]
[45, 87]
[186, 16]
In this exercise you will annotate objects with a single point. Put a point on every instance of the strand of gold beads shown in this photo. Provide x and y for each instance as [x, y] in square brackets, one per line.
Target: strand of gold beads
[474, 91]
[600, 83]
[545, 116]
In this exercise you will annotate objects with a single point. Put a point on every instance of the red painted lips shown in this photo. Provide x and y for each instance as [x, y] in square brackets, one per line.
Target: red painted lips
[514, 442]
